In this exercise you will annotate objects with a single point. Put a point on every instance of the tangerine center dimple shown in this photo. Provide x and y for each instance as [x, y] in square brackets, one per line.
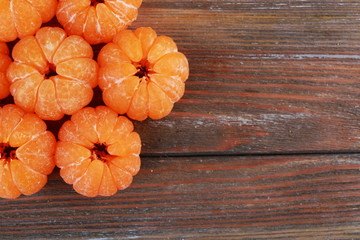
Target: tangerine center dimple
[99, 152]
[51, 72]
[96, 2]
[7, 152]
[142, 70]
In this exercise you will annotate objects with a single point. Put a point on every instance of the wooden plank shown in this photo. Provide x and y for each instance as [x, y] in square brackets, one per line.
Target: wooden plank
[273, 197]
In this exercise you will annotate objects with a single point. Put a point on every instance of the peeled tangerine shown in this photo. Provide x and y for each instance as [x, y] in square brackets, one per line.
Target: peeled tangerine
[5, 60]
[98, 152]
[21, 18]
[97, 21]
[142, 74]
[26, 152]
[52, 74]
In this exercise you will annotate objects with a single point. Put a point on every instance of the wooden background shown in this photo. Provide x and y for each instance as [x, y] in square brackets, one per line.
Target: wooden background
[265, 143]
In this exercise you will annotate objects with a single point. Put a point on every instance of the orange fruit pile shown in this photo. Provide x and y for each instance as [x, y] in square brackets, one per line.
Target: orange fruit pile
[52, 73]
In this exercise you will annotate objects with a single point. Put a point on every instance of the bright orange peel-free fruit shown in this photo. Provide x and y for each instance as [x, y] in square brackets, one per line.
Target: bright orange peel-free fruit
[52, 74]
[21, 18]
[26, 152]
[98, 152]
[97, 21]
[5, 61]
[142, 74]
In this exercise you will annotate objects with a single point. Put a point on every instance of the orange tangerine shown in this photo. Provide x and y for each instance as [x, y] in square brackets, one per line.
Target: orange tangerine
[98, 152]
[52, 74]
[26, 152]
[97, 21]
[21, 18]
[5, 61]
[142, 74]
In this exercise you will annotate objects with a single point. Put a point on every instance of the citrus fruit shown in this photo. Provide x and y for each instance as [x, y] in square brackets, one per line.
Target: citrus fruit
[142, 74]
[96, 20]
[21, 18]
[4, 63]
[98, 152]
[52, 74]
[26, 152]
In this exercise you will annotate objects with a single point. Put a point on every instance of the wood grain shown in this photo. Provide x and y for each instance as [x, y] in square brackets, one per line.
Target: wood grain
[273, 197]
[266, 77]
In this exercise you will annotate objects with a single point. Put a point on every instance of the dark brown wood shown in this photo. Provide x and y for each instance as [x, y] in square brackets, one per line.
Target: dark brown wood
[266, 76]
[283, 197]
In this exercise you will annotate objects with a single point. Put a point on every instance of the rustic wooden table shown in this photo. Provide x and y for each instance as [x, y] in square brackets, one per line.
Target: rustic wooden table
[264, 145]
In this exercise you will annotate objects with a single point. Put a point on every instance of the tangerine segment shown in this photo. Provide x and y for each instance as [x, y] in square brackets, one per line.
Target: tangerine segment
[8, 188]
[130, 163]
[147, 36]
[46, 9]
[26, 180]
[139, 107]
[71, 173]
[27, 19]
[4, 86]
[111, 53]
[29, 127]
[19, 71]
[7, 26]
[155, 81]
[71, 94]
[96, 21]
[26, 152]
[4, 48]
[51, 50]
[4, 64]
[174, 89]
[21, 18]
[107, 120]
[127, 146]
[118, 97]
[11, 116]
[84, 122]
[89, 183]
[122, 178]
[38, 161]
[121, 130]
[160, 105]
[49, 39]
[107, 186]
[81, 69]
[89, 149]
[70, 133]
[28, 51]
[25, 91]
[72, 47]
[46, 105]
[68, 153]
[115, 74]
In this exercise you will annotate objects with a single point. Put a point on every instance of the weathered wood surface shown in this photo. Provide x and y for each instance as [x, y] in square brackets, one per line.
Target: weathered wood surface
[267, 77]
[283, 197]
